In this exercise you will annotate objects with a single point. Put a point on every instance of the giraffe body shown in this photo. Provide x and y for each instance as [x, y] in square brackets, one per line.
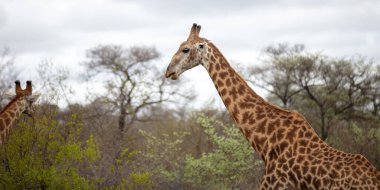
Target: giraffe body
[21, 103]
[294, 156]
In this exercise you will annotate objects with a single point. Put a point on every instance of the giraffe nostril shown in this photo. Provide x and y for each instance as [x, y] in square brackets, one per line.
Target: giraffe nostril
[169, 74]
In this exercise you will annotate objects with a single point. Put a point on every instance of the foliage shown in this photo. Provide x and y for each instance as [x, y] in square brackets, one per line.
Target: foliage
[230, 164]
[91, 151]
[140, 181]
[46, 155]
[361, 137]
[81, 146]
[163, 156]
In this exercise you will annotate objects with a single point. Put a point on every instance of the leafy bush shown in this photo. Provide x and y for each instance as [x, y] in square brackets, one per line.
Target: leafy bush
[47, 155]
[230, 165]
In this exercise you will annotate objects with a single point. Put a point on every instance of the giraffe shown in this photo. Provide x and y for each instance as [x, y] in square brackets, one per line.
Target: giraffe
[21, 103]
[293, 154]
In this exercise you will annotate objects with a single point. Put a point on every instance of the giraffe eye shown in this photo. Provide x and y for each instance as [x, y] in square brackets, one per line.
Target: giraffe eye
[186, 50]
[201, 46]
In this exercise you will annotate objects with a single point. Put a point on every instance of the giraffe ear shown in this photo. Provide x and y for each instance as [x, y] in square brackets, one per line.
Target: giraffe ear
[33, 97]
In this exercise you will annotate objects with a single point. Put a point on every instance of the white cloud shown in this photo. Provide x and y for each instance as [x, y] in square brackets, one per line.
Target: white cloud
[63, 30]
[93, 17]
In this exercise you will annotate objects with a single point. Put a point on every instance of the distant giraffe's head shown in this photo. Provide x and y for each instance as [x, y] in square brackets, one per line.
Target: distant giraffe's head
[191, 53]
[26, 95]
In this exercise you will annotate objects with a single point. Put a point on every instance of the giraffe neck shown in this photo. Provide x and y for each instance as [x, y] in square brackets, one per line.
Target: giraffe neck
[248, 109]
[11, 112]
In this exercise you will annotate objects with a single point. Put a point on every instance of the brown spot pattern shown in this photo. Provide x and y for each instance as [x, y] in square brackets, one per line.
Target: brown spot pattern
[293, 153]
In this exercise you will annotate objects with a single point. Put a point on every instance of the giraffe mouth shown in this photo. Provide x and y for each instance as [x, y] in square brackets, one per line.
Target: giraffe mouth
[171, 75]
[27, 113]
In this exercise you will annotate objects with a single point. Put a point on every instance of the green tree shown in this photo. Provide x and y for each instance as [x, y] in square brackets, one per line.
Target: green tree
[46, 154]
[229, 164]
[163, 157]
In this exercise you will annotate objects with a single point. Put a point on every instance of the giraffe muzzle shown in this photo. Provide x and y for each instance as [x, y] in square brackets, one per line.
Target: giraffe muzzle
[170, 74]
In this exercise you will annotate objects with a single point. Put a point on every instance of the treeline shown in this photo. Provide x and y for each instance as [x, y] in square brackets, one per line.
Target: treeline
[143, 134]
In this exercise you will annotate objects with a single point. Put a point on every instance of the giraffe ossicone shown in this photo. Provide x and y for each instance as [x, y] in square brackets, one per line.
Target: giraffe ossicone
[20, 103]
[293, 154]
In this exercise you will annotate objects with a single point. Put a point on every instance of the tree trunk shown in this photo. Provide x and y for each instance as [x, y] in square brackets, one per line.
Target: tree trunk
[123, 114]
[324, 131]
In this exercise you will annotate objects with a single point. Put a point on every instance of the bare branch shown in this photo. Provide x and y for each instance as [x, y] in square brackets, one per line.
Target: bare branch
[133, 83]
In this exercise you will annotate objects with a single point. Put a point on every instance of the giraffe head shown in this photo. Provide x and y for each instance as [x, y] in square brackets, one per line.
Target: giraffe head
[191, 53]
[26, 95]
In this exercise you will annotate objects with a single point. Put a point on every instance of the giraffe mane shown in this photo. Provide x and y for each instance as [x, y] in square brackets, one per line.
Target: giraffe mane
[10, 103]
[250, 89]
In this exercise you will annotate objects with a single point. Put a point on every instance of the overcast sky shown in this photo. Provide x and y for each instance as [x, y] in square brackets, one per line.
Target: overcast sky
[61, 31]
